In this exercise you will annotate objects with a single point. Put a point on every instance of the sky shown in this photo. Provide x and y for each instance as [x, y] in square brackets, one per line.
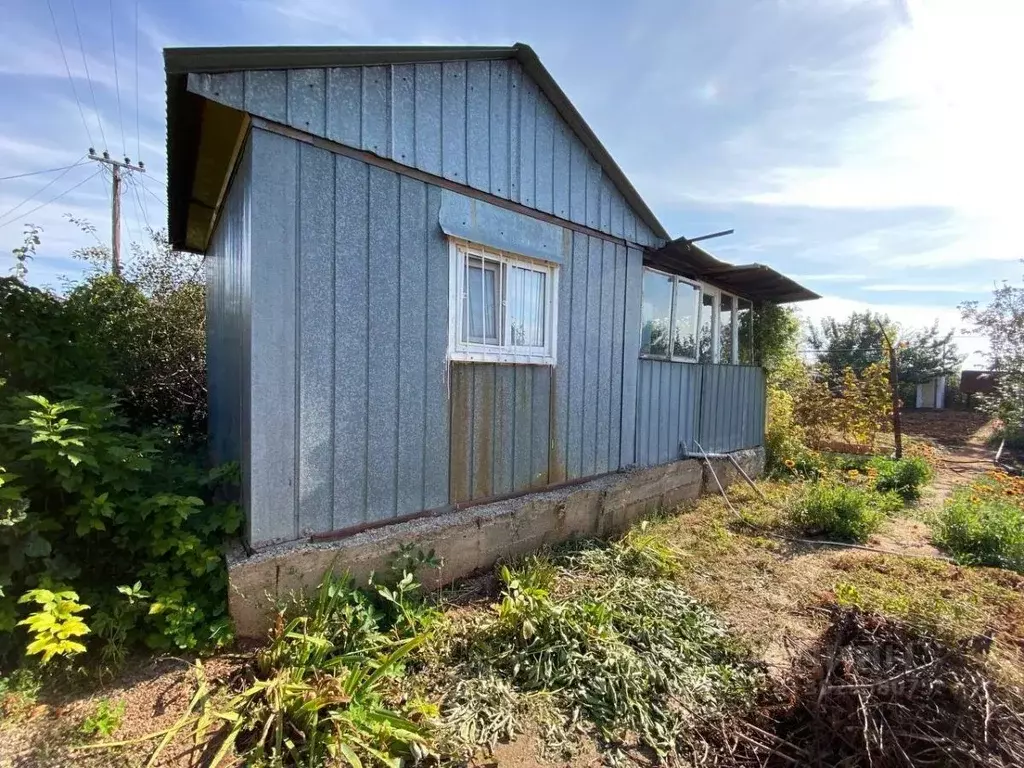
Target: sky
[871, 149]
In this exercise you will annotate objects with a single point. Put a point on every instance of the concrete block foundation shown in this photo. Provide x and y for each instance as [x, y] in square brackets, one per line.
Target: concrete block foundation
[474, 539]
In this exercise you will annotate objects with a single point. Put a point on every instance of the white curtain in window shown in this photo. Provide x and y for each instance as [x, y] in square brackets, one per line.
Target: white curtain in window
[480, 312]
[527, 305]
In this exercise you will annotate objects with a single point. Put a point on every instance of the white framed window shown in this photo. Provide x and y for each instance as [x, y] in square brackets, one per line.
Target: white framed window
[503, 307]
[692, 322]
[670, 313]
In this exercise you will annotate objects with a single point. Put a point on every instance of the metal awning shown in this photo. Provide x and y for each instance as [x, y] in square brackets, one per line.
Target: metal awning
[753, 281]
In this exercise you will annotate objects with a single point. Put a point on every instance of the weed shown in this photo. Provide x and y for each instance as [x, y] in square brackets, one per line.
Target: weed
[626, 653]
[839, 511]
[983, 529]
[18, 692]
[903, 476]
[104, 720]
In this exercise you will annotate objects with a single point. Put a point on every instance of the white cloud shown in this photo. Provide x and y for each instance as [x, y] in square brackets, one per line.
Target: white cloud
[926, 288]
[830, 278]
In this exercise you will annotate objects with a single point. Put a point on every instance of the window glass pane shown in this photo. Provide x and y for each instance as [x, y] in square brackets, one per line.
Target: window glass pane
[725, 334]
[480, 311]
[526, 304]
[656, 314]
[745, 318]
[684, 334]
[705, 336]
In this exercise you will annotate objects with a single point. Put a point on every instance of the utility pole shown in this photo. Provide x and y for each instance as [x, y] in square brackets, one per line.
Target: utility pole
[115, 212]
[894, 386]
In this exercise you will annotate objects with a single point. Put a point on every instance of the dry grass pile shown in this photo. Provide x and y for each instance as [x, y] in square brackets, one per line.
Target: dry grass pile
[877, 692]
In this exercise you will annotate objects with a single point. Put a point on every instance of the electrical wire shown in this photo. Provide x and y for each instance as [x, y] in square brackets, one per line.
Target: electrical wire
[141, 201]
[52, 199]
[42, 189]
[36, 173]
[67, 68]
[88, 77]
[117, 81]
[138, 135]
[153, 195]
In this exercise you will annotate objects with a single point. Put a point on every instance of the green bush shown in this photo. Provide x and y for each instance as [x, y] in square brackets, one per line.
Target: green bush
[91, 508]
[904, 476]
[981, 529]
[146, 345]
[839, 511]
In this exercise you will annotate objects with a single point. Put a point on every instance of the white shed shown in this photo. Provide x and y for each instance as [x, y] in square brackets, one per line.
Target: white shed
[932, 393]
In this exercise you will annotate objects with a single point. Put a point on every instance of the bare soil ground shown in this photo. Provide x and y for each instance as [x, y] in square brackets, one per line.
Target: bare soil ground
[771, 592]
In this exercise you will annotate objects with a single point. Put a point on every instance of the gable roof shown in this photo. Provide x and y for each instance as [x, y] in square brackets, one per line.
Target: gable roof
[194, 193]
[180, 62]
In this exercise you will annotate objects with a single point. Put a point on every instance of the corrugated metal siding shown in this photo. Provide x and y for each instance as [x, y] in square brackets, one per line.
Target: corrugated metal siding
[732, 408]
[350, 312]
[668, 397]
[521, 427]
[721, 406]
[480, 123]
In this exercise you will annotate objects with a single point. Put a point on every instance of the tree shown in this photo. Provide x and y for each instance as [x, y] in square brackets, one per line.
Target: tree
[776, 331]
[1002, 321]
[858, 342]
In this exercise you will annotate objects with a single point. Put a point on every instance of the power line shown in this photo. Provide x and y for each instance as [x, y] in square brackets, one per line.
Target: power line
[134, 184]
[153, 195]
[36, 173]
[67, 68]
[138, 135]
[117, 81]
[88, 77]
[52, 199]
[42, 189]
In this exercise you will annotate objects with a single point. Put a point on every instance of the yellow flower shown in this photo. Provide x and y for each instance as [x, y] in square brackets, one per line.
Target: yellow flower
[789, 463]
[853, 473]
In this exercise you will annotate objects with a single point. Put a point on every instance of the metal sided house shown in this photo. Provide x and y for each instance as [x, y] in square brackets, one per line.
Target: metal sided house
[439, 312]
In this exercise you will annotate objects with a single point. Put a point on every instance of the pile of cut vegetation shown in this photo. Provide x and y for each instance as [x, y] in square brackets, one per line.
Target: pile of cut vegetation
[597, 641]
[877, 692]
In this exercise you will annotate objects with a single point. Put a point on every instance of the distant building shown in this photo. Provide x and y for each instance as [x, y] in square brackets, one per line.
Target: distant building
[932, 393]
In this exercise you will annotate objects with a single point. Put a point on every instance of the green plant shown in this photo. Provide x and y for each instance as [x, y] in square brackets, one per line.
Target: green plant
[837, 510]
[18, 692]
[983, 529]
[55, 625]
[89, 504]
[631, 655]
[904, 476]
[315, 694]
[104, 720]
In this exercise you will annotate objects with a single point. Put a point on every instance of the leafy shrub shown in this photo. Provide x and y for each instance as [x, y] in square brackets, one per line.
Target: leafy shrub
[149, 346]
[844, 512]
[904, 476]
[88, 509]
[983, 528]
[316, 694]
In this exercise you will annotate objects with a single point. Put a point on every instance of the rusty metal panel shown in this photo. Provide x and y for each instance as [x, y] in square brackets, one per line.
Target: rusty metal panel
[522, 440]
[504, 428]
[484, 438]
[461, 463]
[540, 405]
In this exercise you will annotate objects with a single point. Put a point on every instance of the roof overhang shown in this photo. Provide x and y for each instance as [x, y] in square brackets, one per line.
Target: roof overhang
[753, 281]
[187, 115]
